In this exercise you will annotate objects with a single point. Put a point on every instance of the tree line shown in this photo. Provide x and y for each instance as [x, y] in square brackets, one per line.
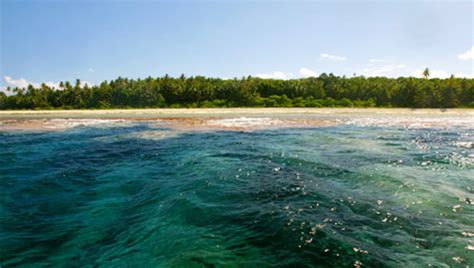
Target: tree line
[326, 90]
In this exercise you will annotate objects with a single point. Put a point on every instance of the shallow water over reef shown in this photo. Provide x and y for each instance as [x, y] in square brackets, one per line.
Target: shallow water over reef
[362, 192]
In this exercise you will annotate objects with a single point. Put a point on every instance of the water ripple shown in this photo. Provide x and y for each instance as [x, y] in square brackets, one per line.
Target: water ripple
[140, 195]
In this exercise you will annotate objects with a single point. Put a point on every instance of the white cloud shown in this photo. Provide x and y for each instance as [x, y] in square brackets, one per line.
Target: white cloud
[377, 60]
[89, 84]
[305, 72]
[275, 75]
[463, 75]
[52, 85]
[4, 90]
[468, 55]
[325, 56]
[441, 74]
[385, 70]
[20, 83]
[90, 70]
[23, 83]
[433, 73]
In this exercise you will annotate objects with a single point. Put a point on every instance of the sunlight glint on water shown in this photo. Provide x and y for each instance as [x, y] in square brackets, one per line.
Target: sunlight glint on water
[138, 193]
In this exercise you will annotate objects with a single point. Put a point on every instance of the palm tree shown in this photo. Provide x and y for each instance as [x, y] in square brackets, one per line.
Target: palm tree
[426, 72]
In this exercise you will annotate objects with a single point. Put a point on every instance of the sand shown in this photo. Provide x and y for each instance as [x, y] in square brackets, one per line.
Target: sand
[240, 119]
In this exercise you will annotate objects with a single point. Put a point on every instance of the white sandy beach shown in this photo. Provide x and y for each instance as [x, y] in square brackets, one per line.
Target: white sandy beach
[241, 119]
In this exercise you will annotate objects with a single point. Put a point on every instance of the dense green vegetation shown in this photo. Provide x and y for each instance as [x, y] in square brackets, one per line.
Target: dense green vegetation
[323, 91]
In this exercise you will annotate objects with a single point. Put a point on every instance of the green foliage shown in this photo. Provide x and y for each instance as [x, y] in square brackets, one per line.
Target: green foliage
[326, 90]
[3, 98]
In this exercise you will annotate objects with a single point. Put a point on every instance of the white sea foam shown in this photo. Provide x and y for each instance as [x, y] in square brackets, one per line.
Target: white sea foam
[409, 122]
[72, 123]
[244, 122]
[403, 120]
[464, 144]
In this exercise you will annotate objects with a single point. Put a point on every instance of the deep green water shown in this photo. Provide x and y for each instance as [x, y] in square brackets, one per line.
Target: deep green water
[141, 195]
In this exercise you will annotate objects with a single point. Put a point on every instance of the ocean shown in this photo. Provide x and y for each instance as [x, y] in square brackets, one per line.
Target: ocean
[238, 191]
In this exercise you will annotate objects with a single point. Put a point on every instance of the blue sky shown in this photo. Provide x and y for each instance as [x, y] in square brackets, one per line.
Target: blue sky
[52, 41]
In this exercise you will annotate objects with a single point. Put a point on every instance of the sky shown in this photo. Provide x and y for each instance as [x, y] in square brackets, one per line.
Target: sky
[52, 41]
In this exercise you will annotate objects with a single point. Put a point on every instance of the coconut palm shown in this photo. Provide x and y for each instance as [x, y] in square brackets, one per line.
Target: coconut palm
[426, 72]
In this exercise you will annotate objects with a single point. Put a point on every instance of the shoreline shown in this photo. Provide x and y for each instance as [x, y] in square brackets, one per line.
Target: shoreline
[223, 112]
[236, 118]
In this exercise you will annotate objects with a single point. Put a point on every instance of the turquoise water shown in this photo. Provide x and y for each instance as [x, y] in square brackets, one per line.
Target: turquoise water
[139, 194]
